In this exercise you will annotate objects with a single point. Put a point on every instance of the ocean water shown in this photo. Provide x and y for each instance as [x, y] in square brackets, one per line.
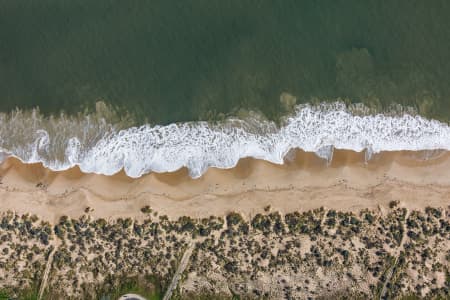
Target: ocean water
[159, 85]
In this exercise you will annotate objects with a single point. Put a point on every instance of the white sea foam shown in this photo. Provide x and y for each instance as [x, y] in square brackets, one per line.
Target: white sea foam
[98, 147]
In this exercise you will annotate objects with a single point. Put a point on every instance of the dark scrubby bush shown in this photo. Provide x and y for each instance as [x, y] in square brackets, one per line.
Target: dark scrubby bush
[233, 219]
[262, 223]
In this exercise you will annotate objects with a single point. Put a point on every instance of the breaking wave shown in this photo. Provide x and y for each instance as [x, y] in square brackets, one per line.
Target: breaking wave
[102, 147]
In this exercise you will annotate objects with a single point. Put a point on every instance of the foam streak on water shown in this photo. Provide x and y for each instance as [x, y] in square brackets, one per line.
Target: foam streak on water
[98, 147]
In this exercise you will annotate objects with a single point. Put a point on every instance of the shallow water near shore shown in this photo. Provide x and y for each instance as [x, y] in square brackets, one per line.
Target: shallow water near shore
[167, 63]
[153, 87]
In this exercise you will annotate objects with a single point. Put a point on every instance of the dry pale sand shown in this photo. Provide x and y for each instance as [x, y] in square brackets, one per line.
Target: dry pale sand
[304, 183]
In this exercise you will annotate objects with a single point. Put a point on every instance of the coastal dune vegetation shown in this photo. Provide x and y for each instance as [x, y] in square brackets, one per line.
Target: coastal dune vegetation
[388, 253]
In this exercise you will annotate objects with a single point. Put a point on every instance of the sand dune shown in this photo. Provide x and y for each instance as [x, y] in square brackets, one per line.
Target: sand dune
[416, 179]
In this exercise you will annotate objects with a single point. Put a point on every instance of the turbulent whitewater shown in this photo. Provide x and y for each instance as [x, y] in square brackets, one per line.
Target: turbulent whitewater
[102, 147]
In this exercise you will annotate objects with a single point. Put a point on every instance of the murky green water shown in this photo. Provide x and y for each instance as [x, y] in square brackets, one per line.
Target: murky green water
[169, 61]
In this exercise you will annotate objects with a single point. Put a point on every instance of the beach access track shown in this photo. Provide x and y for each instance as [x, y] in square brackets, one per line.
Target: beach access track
[176, 277]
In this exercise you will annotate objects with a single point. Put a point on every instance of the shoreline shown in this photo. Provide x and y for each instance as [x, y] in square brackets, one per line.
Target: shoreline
[305, 182]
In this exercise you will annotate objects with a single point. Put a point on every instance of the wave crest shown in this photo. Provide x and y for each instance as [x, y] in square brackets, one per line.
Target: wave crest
[97, 146]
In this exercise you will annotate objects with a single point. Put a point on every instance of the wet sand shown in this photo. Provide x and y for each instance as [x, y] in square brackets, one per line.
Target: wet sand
[304, 182]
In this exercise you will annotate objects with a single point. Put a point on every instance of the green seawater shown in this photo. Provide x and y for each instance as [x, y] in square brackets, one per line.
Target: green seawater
[167, 61]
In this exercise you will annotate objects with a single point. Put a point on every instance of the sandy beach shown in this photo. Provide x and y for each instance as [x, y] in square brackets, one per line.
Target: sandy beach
[305, 182]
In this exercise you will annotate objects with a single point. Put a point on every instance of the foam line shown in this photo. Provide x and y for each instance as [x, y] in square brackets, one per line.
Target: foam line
[97, 147]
